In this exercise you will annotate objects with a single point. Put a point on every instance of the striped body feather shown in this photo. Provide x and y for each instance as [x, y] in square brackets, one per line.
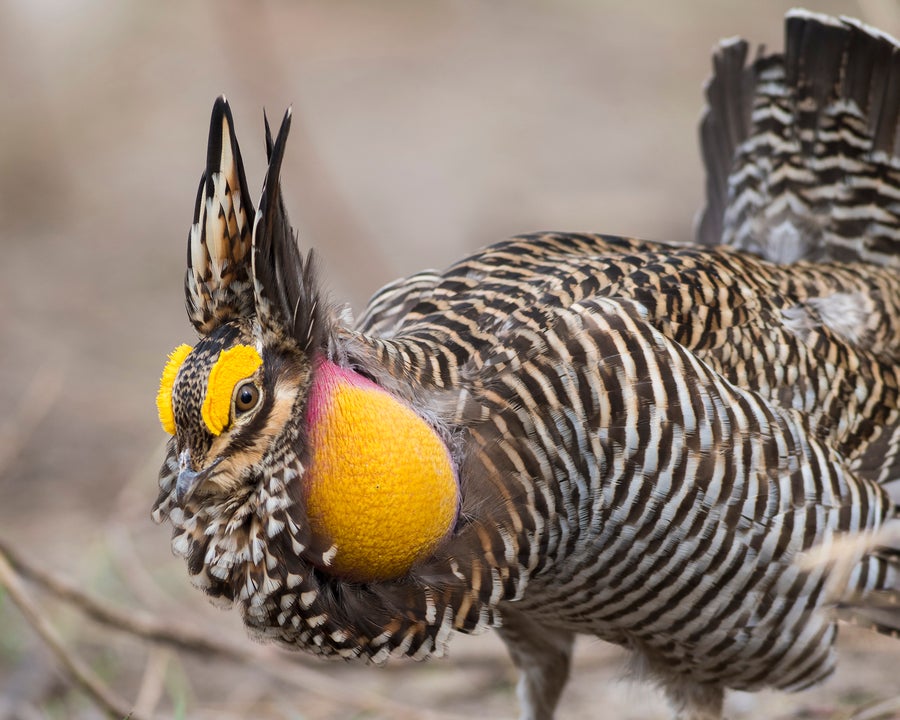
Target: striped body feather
[671, 437]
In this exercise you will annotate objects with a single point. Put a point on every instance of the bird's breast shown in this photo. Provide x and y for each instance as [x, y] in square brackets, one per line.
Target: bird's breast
[380, 483]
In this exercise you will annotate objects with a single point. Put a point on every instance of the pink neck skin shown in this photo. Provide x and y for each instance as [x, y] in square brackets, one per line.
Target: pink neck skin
[327, 377]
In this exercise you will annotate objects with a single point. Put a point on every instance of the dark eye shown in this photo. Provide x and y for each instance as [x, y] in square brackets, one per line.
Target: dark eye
[246, 397]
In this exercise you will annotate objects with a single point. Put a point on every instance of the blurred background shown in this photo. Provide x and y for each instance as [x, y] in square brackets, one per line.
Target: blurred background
[422, 130]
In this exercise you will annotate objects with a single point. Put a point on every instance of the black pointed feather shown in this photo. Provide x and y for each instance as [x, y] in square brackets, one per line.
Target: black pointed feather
[724, 126]
[193, 302]
[269, 142]
[286, 287]
[221, 109]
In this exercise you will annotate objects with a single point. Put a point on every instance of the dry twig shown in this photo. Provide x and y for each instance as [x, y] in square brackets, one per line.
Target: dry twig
[881, 710]
[141, 624]
[37, 400]
[73, 666]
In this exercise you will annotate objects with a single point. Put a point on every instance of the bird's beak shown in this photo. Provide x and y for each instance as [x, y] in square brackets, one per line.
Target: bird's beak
[188, 478]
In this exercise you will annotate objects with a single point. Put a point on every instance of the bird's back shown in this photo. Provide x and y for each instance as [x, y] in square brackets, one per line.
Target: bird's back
[819, 338]
[677, 431]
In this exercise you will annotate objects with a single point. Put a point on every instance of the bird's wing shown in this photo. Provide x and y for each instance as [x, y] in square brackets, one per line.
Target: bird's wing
[390, 307]
[641, 453]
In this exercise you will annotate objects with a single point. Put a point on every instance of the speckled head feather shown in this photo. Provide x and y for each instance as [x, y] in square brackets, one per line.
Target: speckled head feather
[217, 283]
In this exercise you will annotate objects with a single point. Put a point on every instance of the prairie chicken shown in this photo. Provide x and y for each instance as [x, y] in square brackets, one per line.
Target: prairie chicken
[685, 450]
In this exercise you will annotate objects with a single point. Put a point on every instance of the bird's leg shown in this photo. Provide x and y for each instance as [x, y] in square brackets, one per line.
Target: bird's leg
[543, 656]
[692, 701]
[689, 700]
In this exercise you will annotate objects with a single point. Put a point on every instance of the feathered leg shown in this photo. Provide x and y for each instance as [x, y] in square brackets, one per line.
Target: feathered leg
[543, 657]
[688, 700]
[695, 702]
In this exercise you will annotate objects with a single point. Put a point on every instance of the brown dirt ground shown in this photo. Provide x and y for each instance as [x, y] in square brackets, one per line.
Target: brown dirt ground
[422, 131]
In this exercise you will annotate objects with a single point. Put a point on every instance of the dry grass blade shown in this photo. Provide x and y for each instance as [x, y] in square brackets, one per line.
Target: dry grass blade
[39, 397]
[152, 681]
[73, 666]
[883, 710]
[143, 625]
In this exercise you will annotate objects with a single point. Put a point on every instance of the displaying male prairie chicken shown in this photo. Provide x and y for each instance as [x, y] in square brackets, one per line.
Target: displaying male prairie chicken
[685, 450]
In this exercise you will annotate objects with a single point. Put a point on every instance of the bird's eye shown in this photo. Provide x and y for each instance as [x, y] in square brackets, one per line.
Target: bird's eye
[246, 398]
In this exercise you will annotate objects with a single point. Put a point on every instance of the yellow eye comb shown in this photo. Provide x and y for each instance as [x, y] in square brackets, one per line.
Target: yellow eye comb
[164, 396]
[235, 364]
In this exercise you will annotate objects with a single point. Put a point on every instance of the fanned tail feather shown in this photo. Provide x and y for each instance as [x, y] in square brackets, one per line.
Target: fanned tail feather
[879, 609]
[802, 150]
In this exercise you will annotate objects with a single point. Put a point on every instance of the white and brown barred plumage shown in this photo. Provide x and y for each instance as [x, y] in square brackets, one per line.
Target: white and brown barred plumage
[652, 442]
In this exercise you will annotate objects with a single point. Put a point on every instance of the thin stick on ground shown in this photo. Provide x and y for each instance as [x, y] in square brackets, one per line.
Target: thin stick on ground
[147, 627]
[79, 673]
[133, 622]
[881, 710]
[153, 680]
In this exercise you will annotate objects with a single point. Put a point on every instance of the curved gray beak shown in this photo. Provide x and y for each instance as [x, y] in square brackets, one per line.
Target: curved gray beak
[188, 478]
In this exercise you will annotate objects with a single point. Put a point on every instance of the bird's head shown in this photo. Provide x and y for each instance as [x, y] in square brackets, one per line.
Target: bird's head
[288, 468]
[230, 402]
